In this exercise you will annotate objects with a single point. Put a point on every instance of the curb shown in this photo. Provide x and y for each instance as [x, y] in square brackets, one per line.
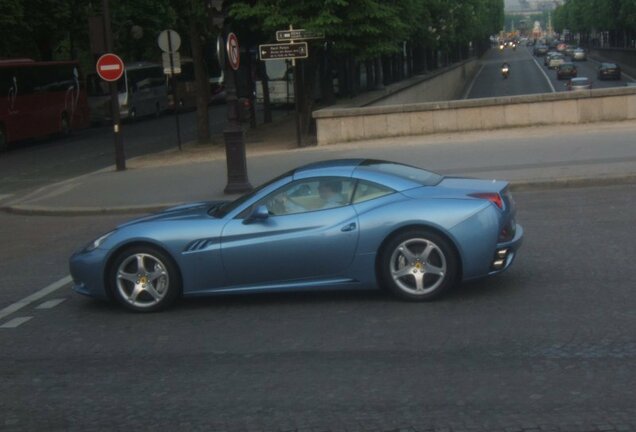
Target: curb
[529, 185]
[573, 182]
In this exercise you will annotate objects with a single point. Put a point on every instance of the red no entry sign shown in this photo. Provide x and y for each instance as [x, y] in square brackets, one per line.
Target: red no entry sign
[233, 53]
[110, 67]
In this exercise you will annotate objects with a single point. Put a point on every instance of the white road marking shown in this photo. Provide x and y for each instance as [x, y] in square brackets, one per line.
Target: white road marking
[5, 196]
[547, 78]
[15, 322]
[50, 304]
[472, 83]
[34, 297]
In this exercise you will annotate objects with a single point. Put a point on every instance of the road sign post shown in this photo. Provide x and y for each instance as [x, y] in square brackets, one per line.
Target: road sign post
[237, 181]
[169, 41]
[120, 157]
[298, 34]
[110, 67]
[283, 51]
[291, 50]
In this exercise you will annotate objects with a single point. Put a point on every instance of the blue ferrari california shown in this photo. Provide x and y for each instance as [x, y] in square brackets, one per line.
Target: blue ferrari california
[327, 225]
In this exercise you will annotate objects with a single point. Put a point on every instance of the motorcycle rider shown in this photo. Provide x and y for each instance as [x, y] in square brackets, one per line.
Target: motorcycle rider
[505, 69]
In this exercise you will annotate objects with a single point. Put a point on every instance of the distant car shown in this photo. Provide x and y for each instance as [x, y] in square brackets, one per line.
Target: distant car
[580, 83]
[540, 50]
[566, 70]
[548, 56]
[556, 61]
[579, 54]
[530, 43]
[332, 224]
[609, 71]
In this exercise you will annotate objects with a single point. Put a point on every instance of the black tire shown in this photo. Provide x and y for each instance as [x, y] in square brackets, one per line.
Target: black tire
[4, 142]
[441, 258]
[156, 288]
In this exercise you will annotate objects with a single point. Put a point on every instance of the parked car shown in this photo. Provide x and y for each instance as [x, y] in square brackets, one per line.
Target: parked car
[609, 71]
[556, 61]
[580, 83]
[579, 54]
[333, 224]
[566, 70]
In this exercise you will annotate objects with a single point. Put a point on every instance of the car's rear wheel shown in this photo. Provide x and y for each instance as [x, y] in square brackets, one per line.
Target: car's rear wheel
[418, 265]
[144, 279]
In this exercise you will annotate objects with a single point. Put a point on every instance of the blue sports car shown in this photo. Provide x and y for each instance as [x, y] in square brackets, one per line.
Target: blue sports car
[332, 224]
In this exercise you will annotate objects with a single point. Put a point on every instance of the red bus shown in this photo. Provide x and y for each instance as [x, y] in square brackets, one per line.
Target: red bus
[38, 99]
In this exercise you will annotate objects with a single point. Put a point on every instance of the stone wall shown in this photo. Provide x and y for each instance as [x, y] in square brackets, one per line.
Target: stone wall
[336, 125]
[446, 84]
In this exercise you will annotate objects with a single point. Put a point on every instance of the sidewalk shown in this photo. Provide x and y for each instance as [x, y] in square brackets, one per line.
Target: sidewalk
[528, 157]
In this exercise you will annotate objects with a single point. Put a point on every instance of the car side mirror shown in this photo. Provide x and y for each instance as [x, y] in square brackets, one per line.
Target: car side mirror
[259, 213]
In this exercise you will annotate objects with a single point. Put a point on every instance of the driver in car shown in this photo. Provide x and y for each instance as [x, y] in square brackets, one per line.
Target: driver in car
[331, 193]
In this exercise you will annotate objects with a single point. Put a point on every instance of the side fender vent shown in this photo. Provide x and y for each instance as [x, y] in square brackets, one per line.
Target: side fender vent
[199, 245]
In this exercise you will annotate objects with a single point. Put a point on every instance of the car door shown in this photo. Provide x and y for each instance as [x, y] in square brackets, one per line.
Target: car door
[307, 238]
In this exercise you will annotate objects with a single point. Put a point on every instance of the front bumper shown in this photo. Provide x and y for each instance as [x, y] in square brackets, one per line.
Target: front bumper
[87, 271]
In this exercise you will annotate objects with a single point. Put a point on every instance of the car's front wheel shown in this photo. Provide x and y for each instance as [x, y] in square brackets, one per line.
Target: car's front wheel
[144, 279]
[418, 265]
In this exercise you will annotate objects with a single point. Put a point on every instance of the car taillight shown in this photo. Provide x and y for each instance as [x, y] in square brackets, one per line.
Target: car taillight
[493, 197]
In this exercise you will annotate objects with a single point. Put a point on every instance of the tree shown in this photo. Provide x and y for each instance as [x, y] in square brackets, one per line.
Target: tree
[11, 22]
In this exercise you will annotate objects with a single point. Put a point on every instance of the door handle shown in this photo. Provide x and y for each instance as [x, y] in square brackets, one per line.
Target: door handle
[348, 227]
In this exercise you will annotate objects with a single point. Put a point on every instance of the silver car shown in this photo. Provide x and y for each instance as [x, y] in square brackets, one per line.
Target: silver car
[556, 61]
[579, 54]
[580, 83]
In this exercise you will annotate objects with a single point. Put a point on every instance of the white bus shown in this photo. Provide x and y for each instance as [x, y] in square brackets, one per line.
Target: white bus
[142, 92]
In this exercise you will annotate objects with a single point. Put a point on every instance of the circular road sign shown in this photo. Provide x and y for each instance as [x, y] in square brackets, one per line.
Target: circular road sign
[175, 41]
[233, 54]
[110, 67]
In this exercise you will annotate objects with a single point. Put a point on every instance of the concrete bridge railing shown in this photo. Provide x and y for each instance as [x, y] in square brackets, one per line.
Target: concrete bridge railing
[353, 124]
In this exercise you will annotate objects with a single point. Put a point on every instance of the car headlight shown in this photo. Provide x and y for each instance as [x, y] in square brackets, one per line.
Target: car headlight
[97, 242]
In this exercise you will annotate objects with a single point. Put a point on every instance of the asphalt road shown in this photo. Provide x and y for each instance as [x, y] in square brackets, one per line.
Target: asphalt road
[548, 345]
[528, 75]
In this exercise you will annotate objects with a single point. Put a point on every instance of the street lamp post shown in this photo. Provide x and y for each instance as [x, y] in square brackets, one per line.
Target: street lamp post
[237, 181]
[235, 158]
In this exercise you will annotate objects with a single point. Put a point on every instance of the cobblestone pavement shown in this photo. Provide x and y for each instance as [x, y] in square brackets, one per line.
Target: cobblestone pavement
[548, 346]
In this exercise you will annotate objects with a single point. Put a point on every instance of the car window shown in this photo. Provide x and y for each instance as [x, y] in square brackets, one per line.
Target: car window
[310, 195]
[222, 210]
[366, 191]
